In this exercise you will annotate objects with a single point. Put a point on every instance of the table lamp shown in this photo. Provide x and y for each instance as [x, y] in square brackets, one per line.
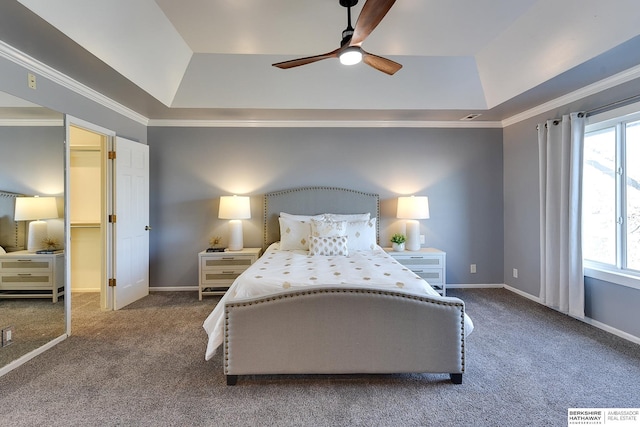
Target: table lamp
[35, 209]
[235, 208]
[413, 208]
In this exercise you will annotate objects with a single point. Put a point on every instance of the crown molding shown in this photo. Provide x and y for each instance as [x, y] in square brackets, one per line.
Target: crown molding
[30, 63]
[599, 86]
[14, 55]
[322, 124]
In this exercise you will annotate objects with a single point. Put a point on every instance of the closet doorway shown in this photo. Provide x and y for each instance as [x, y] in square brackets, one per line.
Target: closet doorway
[108, 205]
[88, 207]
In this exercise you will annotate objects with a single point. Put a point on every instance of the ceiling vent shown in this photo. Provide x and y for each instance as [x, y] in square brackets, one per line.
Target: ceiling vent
[470, 116]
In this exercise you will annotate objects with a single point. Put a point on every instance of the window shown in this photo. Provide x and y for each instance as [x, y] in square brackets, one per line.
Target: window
[611, 196]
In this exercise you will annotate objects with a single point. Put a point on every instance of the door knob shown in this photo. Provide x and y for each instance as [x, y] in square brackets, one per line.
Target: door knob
[147, 228]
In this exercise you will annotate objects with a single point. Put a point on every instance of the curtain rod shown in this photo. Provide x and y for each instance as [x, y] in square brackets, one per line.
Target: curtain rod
[602, 108]
[611, 105]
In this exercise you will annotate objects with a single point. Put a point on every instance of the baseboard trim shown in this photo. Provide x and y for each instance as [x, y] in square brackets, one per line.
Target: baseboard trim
[622, 334]
[24, 359]
[523, 294]
[173, 288]
[617, 332]
[476, 286]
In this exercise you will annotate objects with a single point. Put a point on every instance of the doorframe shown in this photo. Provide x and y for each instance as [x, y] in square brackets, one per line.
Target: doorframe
[106, 297]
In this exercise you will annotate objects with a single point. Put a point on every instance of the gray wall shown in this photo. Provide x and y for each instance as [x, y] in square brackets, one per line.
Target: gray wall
[608, 303]
[58, 98]
[459, 169]
[32, 160]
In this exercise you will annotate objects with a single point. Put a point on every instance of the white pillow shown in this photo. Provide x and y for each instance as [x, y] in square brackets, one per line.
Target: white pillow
[361, 235]
[300, 217]
[294, 234]
[328, 228]
[2, 251]
[328, 246]
[347, 217]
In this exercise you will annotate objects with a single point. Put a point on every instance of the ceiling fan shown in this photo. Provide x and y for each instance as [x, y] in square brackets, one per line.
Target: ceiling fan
[350, 51]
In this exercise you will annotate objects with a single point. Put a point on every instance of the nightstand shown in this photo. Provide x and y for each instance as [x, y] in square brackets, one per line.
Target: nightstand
[428, 263]
[28, 275]
[218, 270]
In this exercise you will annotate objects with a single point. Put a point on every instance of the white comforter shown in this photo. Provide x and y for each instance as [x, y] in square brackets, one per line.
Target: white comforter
[280, 270]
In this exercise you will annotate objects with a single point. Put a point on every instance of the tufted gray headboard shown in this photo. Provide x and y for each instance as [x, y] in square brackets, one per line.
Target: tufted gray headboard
[12, 233]
[312, 201]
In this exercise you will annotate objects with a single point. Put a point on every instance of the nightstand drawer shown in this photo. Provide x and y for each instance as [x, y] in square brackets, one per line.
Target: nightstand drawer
[25, 264]
[25, 281]
[226, 261]
[227, 275]
[417, 261]
[430, 275]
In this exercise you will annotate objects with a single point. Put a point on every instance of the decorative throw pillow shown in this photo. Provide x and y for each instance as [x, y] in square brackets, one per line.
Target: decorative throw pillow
[294, 235]
[328, 246]
[362, 235]
[323, 228]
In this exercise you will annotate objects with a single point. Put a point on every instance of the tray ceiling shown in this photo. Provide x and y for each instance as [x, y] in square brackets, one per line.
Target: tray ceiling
[458, 56]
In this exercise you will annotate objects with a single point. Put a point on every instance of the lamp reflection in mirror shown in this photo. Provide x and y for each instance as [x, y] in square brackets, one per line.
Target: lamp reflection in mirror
[35, 209]
[413, 208]
[235, 208]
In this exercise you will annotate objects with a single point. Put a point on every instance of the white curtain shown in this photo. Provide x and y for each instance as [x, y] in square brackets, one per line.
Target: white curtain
[561, 274]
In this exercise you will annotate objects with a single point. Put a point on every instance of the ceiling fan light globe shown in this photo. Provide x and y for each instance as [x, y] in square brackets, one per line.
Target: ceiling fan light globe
[351, 56]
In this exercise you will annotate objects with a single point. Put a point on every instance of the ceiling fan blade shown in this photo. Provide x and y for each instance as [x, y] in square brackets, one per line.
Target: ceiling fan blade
[308, 60]
[371, 15]
[379, 63]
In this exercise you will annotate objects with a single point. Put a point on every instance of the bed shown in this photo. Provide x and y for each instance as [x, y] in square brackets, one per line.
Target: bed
[312, 310]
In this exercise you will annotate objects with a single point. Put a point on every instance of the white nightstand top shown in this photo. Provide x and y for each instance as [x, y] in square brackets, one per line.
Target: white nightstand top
[244, 251]
[421, 251]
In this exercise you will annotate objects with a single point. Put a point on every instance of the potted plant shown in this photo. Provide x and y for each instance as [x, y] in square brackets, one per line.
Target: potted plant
[397, 242]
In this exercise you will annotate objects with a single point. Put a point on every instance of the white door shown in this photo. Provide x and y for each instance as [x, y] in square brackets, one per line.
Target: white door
[131, 226]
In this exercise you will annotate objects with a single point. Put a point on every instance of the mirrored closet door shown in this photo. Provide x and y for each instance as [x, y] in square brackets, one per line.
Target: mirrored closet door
[32, 292]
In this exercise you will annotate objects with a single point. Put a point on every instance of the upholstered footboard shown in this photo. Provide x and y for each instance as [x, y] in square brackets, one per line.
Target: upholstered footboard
[344, 331]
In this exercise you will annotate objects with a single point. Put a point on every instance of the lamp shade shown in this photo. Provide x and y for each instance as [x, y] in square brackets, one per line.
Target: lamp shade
[413, 207]
[34, 208]
[234, 207]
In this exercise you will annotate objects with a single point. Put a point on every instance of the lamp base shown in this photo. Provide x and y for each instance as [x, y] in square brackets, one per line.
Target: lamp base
[38, 231]
[235, 235]
[413, 235]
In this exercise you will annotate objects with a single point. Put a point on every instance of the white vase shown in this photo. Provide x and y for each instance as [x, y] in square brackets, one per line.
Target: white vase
[398, 247]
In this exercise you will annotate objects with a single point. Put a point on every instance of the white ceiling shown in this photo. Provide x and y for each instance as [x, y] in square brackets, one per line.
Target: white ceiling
[466, 55]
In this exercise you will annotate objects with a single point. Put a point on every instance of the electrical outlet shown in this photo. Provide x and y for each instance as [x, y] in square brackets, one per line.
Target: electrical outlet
[422, 239]
[473, 268]
[31, 78]
[515, 273]
[7, 336]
